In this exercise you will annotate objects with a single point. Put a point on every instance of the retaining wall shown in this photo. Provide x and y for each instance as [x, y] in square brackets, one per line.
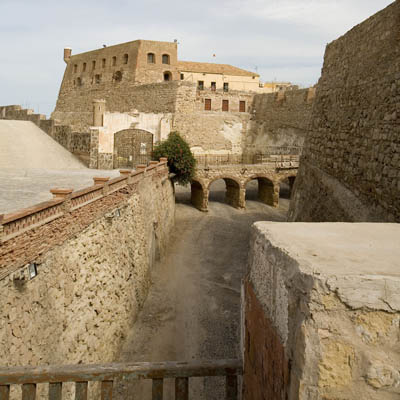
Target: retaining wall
[93, 251]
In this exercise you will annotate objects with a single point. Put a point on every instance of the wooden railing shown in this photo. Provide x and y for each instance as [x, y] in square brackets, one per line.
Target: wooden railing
[107, 374]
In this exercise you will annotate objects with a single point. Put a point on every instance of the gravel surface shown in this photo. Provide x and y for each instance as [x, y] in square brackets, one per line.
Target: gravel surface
[193, 308]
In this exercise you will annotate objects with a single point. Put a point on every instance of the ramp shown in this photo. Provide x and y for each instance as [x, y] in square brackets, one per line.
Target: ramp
[25, 146]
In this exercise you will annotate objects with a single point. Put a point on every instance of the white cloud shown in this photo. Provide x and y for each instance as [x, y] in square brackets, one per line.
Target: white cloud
[284, 39]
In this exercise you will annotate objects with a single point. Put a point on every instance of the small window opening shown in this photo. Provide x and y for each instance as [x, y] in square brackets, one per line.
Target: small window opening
[213, 86]
[79, 81]
[182, 77]
[200, 85]
[226, 86]
[93, 64]
[126, 57]
[225, 105]
[167, 76]
[151, 58]
[114, 61]
[165, 59]
[242, 106]
[117, 76]
[75, 68]
[84, 67]
[74, 82]
[207, 104]
[103, 62]
[97, 78]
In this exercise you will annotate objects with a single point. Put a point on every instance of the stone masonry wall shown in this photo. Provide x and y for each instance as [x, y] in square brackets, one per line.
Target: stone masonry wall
[93, 272]
[279, 119]
[75, 104]
[351, 166]
[321, 312]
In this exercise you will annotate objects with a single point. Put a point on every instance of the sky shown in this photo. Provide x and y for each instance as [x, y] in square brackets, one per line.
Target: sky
[282, 40]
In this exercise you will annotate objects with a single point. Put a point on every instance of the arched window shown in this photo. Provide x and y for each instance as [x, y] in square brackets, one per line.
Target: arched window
[103, 62]
[165, 59]
[114, 61]
[79, 81]
[83, 67]
[167, 76]
[93, 64]
[126, 58]
[97, 78]
[117, 76]
[151, 58]
[75, 68]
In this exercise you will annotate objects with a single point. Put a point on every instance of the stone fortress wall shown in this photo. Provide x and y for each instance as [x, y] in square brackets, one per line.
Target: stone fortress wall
[248, 124]
[350, 167]
[321, 321]
[93, 251]
[280, 119]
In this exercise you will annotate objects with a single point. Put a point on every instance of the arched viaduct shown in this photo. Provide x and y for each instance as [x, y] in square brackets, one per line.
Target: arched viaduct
[236, 178]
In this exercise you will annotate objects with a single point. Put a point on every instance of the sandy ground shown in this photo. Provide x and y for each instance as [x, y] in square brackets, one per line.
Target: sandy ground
[32, 163]
[193, 308]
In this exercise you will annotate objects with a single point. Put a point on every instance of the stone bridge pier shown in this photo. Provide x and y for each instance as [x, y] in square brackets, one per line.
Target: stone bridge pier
[236, 178]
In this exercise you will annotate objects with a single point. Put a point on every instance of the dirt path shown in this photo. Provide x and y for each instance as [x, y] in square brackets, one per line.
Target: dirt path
[193, 308]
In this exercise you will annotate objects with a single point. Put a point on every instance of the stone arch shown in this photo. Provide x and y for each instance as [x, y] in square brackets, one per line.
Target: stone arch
[199, 194]
[291, 177]
[234, 194]
[268, 189]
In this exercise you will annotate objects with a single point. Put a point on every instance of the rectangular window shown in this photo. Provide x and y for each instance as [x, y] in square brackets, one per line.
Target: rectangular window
[225, 105]
[207, 104]
[93, 64]
[182, 77]
[226, 86]
[242, 106]
[213, 86]
[200, 85]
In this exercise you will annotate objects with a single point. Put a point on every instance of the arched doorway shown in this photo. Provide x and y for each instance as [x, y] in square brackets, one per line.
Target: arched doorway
[132, 147]
[225, 190]
[167, 76]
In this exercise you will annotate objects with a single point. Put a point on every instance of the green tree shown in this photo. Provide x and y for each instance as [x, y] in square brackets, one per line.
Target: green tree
[180, 159]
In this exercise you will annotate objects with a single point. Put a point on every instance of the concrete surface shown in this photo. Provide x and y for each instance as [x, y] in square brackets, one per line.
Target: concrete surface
[193, 308]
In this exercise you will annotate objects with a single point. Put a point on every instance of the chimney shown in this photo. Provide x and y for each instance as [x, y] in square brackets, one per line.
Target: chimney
[67, 54]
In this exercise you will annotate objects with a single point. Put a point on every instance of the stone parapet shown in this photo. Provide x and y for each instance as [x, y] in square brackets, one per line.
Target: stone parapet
[322, 312]
[28, 221]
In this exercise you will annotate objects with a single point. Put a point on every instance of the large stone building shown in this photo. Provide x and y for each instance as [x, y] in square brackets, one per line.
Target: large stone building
[218, 108]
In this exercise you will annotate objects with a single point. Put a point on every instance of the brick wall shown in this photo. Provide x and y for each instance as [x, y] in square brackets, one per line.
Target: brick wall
[350, 169]
[266, 369]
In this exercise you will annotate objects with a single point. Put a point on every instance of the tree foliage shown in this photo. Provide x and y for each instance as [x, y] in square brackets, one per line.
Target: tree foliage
[180, 159]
